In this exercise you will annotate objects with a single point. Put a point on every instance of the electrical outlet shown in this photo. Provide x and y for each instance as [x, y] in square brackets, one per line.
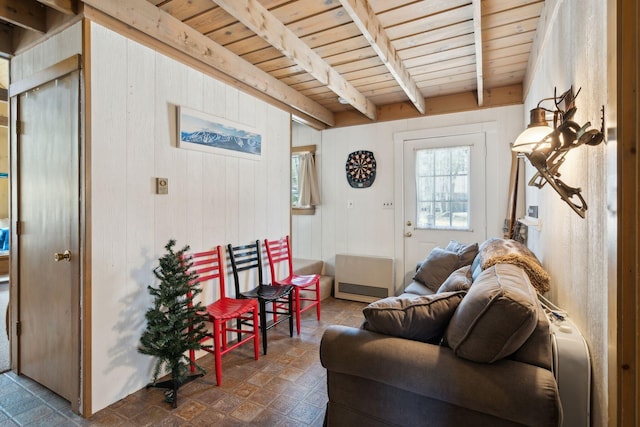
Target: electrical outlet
[387, 205]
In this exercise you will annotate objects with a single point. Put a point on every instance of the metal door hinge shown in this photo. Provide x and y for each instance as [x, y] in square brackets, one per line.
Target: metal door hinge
[19, 127]
[18, 227]
[18, 328]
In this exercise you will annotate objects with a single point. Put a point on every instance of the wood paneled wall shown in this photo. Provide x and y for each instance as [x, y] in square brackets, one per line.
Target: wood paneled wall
[213, 199]
[572, 249]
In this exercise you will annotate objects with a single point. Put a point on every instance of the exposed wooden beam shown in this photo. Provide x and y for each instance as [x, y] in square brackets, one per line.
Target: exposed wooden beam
[6, 40]
[444, 104]
[366, 20]
[68, 7]
[262, 22]
[477, 35]
[28, 14]
[150, 20]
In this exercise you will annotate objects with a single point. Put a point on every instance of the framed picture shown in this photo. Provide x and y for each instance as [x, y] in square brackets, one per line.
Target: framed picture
[204, 132]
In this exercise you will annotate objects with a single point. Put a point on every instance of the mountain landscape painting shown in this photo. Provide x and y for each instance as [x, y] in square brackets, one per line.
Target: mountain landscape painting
[199, 131]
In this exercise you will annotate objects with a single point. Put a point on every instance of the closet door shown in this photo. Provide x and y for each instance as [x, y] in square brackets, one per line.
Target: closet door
[47, 234]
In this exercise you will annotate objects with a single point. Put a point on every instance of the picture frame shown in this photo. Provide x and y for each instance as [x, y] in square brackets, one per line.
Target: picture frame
[211, 134]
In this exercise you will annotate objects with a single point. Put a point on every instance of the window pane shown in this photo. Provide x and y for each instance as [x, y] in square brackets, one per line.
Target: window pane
[442, 187]
[295, 190]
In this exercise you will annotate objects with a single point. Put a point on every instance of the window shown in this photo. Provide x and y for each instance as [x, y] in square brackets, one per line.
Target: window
[295, 187]
[304, 183]
[442, 184]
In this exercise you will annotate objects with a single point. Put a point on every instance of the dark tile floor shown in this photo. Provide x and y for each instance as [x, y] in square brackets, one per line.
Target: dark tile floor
[287, 387]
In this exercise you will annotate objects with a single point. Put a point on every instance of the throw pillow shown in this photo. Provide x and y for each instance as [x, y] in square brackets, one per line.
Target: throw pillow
[436, 268]
[459, 280]
[496, 317]
[467, 253]
[419, 318]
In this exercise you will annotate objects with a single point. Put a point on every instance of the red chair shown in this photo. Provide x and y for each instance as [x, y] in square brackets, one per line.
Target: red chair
[280, 251]
[209, 265]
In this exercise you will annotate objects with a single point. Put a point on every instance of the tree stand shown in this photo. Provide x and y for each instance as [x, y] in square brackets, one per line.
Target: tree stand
[172, 386]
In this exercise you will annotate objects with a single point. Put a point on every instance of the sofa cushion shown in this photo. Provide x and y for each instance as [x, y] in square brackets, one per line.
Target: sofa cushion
[418, 288]
[466, 253]
[436, 268]
[459, 280]
[496, 317]
[418, 318]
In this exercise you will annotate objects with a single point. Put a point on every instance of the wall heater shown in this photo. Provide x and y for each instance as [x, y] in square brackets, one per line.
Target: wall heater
[363, 278]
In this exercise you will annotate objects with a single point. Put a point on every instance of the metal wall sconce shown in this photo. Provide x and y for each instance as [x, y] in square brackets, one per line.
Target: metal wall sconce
[546, 146]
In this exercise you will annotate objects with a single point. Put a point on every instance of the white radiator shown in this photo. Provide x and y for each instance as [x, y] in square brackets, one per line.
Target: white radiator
[571, 367]
[363, 278]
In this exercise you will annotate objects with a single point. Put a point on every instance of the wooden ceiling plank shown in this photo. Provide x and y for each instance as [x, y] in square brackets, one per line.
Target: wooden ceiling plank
[513, 50]
[463, 69]
[185, 9]
[513, 15]
[509, 29]
[443, 65]
[433, 36]
[437, 46]
[477, 31]
[150, 20]
[27, 14]
[408, 12]
[494, 6]
[366, 20]
[68, 7]
[505, 42]
[440, 56]
[252, 14]
[430, 23]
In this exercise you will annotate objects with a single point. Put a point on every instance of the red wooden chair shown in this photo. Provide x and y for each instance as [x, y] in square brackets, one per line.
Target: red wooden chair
[209, 265]
[309, 285]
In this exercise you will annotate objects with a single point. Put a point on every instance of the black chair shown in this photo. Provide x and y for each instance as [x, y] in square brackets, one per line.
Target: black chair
[279, 297]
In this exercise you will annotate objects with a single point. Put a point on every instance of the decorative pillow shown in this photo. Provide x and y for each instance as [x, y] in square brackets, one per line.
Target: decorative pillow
[459, 280]
[436, 268]
[419, 318]
[467, 253]
[496, 317]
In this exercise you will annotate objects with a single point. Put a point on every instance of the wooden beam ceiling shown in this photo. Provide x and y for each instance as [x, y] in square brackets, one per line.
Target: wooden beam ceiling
[28, 14]
[369, 25]
[477, 33]
[68, 7]
[262, 22]
[163, 27]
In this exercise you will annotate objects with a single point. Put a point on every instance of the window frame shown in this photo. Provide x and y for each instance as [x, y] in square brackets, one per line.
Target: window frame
[301, 210]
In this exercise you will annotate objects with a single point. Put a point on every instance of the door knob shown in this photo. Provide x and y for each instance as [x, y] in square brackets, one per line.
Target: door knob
[60, 256]
[408, 234]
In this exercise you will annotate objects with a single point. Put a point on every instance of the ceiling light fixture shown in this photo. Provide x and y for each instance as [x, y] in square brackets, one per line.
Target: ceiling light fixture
[343, 101]
[546, 146]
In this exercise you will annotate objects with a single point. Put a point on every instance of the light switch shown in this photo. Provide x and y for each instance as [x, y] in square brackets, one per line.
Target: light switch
[162, 186]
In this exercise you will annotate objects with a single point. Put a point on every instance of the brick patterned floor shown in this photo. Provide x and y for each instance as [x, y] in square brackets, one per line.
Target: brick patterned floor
[287, 387]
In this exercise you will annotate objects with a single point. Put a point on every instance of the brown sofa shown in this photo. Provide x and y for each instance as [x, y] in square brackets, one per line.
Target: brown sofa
[480, 355]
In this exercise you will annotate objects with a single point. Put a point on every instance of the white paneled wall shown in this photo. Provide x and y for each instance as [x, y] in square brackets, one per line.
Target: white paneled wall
[306, 230]
[213, 199]
[367, 228]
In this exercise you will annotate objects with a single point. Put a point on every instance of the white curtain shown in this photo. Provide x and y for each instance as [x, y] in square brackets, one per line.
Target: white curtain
[308, 181]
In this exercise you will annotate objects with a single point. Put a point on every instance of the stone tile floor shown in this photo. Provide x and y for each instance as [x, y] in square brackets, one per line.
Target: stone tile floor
[287, 387]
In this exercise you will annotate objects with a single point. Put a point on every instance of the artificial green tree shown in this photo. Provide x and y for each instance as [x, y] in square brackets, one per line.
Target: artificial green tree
[175, 323]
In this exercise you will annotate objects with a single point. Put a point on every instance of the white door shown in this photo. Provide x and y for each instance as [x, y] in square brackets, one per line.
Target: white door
[48, 207]
[444, 194]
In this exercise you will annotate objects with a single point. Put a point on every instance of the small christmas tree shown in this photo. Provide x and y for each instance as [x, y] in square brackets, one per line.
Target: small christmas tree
[175, 324]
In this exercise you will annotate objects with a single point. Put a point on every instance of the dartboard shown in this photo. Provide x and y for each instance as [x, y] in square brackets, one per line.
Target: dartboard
[361, 169]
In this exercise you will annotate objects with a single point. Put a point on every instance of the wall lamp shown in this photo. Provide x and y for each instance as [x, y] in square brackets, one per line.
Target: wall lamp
[546, 146]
